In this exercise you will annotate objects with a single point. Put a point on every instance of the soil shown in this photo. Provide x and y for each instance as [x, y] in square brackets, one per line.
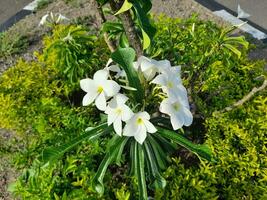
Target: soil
[81, 8]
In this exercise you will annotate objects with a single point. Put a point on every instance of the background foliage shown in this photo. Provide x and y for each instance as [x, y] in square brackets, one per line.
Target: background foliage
[43, 106]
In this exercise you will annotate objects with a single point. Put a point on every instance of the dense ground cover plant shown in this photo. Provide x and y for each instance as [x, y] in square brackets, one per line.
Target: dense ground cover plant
[53, 118]
[12, 44]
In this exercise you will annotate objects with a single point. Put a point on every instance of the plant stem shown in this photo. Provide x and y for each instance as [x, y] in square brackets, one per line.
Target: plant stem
[245, 98]
[128, 24]
[101, 17]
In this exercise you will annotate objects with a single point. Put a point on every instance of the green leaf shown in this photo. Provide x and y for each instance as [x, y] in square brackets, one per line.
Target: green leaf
[160, 155]
[142, 9]
[159, 182]
[233, 49]
[202, 151]
[140, 171]
[125, 6]
[237, 40]
[125, 58]
[102, 2]
[113, 152]
[112, 27]
[146, 40]
[54, 153]
[123, 41]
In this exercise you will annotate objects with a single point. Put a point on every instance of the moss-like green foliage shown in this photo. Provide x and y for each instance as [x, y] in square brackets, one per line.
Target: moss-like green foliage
[12, 44]
[220, 77]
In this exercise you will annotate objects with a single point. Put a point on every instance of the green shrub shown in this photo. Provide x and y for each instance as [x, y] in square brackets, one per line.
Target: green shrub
[74, 52]
[237, 138]
[43, 4]
[12, 44]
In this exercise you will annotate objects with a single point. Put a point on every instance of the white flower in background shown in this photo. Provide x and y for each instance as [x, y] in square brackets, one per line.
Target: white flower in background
[99, 89]
[138, 126]
[170, 82]
[43, 20]
[150, 66]
[115, 68]
[177, 107]
[53, 19]
[117, 112]
[61, 18]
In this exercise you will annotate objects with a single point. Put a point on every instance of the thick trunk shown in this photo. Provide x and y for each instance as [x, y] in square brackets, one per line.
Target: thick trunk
[128, 26]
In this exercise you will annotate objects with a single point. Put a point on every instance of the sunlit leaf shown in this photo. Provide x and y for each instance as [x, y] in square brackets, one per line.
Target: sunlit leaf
[125, 6]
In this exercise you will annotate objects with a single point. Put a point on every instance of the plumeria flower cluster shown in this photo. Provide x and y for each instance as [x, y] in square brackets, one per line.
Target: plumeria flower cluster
[51, 19]
[105, 93]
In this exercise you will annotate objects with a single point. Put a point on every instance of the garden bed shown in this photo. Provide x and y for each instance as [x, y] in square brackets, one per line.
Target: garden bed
[183, 9]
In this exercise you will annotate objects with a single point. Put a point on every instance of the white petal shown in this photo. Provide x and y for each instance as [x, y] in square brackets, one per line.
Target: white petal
[135, 65]
[111, 88]
[143, 115]
[88, 85]
[100, 102]
[150, 73]
[166, 107]
[113, 103]
[146, 65]
[117, 125]
[130, 128]
[127, 113]
[111, 115]
[114, 68]
[121, 99]
[43, 20]
[160, 80]
[140, 134]
[150, 127]
[88, 99]
[188, 117]
[100, 76]
[109, 62]
[177, 121]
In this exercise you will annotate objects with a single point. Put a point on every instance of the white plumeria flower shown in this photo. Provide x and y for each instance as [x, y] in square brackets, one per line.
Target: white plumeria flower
[150, 66]
[51, 18]
[170, 82]
[178, 109]
[61, 18]
[115, 68]
[99, 89]
[138, 126]
[43, 20]
[117, 112]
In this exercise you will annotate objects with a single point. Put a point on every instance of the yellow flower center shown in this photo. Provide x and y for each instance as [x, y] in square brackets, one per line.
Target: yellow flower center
[170, 84]
[176, 106]
[118, 111]
[100, 89]
[139, 121]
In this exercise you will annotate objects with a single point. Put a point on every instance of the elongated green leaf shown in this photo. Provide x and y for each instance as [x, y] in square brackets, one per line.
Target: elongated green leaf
[159, 182]
[202, 151]
[125, 6]
[140, 171]
[233, 49]
[113, 152]
[125, 58]
[160, 155]
[237, 40]
[53, 153]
